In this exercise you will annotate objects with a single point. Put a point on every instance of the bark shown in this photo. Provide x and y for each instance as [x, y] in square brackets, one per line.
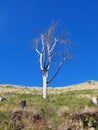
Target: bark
[44, 77]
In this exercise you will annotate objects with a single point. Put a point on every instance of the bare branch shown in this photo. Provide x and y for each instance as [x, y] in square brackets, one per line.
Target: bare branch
[58, 69]
[36, 42]
[54, 44]
[49, 60]
[43, 44]
[38, 51]
[41, 66]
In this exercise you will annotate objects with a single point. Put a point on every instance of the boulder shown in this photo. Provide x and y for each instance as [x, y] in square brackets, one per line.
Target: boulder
[23, 104]
[94, 100]
[91, 128]
[2, 99]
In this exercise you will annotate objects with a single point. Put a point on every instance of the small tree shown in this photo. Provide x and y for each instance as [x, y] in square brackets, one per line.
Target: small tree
[50, 45]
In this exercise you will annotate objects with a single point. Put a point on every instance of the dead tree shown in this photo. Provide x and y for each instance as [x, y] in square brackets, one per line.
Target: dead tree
[49, 45]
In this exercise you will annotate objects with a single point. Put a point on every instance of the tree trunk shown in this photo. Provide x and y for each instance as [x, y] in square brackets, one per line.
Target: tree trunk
[45, 76]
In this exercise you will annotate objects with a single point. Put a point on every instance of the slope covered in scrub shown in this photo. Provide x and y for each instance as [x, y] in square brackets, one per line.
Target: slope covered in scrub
[62, 110]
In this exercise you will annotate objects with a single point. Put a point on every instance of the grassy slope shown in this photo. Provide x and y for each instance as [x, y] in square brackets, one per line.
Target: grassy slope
[61, 101]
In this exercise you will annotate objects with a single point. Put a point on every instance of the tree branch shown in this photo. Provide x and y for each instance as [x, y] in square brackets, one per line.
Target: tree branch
[43, 44]
[54, 44]
[59, 67]
[38, 51]
[41, 66]
[49, 60]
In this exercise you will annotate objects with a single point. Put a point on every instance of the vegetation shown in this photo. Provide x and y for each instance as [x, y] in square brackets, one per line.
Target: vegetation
[52, 112]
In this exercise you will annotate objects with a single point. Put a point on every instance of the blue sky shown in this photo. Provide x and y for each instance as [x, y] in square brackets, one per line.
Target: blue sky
[18, 20]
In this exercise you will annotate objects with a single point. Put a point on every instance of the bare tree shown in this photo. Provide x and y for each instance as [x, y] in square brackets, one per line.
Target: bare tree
[50, 45]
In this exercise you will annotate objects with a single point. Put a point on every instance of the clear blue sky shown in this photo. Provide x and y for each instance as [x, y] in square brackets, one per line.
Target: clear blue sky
[19, 18]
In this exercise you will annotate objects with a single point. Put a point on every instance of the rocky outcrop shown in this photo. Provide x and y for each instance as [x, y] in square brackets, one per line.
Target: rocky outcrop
[16, 121]
[23, 120]
[83, 121]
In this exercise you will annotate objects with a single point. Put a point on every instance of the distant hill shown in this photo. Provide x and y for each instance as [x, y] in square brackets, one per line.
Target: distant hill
[91, 84]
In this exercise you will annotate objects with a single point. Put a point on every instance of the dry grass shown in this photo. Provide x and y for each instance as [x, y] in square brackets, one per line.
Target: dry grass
[61, 101]
[83, 86]
[91, 85]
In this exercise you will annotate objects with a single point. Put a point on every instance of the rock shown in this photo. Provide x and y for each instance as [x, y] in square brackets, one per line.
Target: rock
[16, 122]
[92, 128]
[68, 128]
[49, 127]
[94, 100]
[37, 117]
[23, 104]
[91, 82]
[17, 115]
[2, 99]
[81, 121]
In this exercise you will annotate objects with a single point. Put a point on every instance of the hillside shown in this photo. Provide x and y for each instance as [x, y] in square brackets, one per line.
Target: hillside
[67, 108]
[91, 84]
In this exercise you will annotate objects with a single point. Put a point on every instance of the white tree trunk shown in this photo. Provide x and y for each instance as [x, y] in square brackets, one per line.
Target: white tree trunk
[45, 76]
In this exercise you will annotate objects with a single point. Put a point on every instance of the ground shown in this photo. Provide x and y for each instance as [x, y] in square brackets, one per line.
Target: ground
[67, 108]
